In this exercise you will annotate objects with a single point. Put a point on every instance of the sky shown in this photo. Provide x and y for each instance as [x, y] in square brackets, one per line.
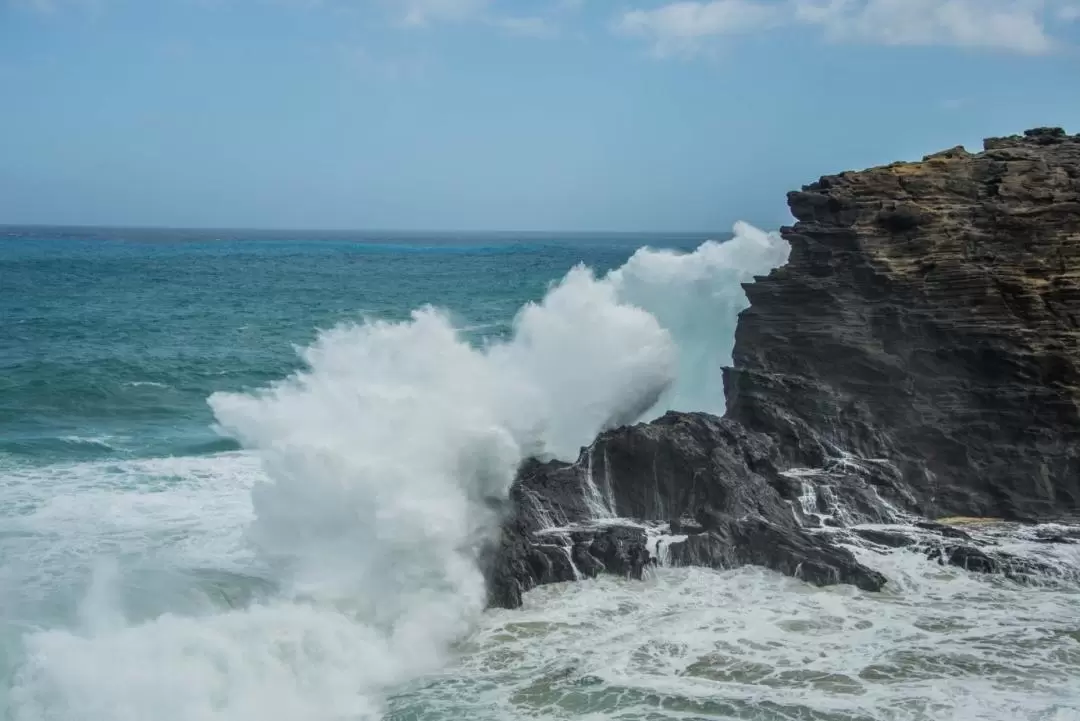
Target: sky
[623, 115]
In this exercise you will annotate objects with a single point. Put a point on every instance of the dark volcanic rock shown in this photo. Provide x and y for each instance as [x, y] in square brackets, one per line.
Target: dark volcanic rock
[685, 526]
[621, 550]
[889, 539]
[930, 314]
[918, 356]
[967, 557]
[977, 560]
[755, 541]
[1058, 538]
[683, 465]
[1058, 535]
[942, 530]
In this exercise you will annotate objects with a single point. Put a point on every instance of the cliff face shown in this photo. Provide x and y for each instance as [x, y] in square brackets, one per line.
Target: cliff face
[929, 314]
[917, 357]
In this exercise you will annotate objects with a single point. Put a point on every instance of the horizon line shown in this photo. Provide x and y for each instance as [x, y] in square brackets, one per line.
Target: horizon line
[399, 231]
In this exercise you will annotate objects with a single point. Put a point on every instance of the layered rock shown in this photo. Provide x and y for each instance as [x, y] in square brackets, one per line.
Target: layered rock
[929, 313]
[918, 356]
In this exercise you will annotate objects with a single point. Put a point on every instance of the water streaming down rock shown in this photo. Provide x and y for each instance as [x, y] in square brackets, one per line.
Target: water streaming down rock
[598, 496]
[916, 357]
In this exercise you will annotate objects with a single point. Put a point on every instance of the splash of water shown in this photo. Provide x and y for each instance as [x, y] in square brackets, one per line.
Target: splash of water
[383, 457]
[697, 297]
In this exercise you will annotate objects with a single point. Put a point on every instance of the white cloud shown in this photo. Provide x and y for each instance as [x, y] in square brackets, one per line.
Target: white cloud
[683, 27]
[1019, 26]
[1012, 25]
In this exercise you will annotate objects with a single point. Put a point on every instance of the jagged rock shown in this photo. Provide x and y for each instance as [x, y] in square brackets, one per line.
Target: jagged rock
[685, 526]
[929, 314]
[621, 550]
[943, 530]
[1059, 539]
[918, 356]
[967, 557]
[587, 564]
[889, 539]
[550, 563]
[757, 542]
[1058, 535]
[976, 560]
[683, 465]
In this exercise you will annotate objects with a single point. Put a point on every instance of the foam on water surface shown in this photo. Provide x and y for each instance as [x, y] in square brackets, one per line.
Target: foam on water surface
[751, 644]
[59, 520]
[328, 572]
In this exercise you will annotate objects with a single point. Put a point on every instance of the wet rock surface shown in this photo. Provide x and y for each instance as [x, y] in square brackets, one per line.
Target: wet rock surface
[886, 539]
[918, 357]
[609, 511]
[978, 560]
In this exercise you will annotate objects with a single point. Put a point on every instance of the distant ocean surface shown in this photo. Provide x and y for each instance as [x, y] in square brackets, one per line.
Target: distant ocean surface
[116, 338]
[239, 472]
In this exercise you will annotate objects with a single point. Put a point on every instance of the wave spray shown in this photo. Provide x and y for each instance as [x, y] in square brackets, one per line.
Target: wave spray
[384, 458]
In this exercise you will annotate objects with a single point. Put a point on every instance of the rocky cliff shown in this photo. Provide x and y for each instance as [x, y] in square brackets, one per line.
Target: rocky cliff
[917, 357]
[929, 314]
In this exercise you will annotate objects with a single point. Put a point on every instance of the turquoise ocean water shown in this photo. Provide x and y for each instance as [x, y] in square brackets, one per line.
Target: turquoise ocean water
[238, 474]
[114, 339]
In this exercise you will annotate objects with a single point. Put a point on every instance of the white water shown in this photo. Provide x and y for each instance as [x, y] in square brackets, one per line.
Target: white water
[327, 573]
[684, 644]
[350, 567]
[698, 298]
[939, 645]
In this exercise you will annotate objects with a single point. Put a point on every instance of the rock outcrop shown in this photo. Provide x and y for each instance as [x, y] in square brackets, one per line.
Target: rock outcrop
[688, 488]
[917, 357]
[929, 313]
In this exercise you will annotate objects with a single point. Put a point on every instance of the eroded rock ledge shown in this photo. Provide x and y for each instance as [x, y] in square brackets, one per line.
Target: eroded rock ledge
[917, 357]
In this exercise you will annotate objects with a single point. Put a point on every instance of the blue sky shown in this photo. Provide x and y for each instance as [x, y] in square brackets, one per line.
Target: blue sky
[499, 114]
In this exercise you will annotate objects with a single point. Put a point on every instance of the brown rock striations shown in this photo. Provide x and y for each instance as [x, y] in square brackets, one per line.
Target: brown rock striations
[929, 314]
[919, 355]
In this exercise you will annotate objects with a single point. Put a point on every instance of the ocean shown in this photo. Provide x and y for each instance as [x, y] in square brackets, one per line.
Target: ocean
[243, 477]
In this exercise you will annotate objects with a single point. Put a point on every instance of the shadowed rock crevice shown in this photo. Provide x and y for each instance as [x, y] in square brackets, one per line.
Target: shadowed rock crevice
[917, 357]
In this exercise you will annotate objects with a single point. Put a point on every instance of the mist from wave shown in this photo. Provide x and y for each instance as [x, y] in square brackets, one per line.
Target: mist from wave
[381, 463]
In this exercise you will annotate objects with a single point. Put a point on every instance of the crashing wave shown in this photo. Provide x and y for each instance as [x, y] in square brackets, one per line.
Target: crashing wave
[387, 459]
